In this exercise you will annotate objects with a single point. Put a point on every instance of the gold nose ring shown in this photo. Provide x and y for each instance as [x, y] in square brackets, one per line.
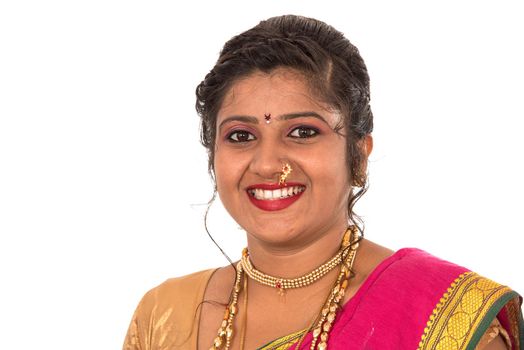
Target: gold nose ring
[286, 170]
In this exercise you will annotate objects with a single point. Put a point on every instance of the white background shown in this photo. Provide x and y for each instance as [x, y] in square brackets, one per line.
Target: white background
[103, 181]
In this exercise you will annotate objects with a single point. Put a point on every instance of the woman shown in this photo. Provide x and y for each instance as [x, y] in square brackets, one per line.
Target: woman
[287, 124]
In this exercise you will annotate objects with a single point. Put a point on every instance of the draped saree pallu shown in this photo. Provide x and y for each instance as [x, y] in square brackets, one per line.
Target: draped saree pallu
[466, 310]
[416, 301]
[412, 300]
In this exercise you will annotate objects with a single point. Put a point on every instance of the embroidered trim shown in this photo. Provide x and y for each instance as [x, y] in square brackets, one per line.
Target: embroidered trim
[438, 309]
[459, 313]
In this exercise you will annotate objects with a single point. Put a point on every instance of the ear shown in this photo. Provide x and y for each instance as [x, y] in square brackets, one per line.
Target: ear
[367, 144]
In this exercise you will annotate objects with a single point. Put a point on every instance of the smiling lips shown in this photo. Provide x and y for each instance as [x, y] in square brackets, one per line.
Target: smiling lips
[272, 197]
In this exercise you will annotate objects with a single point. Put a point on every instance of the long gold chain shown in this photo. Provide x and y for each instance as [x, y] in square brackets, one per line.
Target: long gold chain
[329, 310]
[225, 332]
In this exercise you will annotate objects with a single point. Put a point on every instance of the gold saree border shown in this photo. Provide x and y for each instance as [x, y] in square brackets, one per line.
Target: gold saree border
[460, 317]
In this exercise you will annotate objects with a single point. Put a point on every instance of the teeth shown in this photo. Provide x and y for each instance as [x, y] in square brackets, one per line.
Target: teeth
[276, 194]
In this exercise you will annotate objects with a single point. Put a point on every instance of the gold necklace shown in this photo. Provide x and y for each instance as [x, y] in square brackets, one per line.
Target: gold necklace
[281, 284]
[329, 311]
[324, 321]
[225, 332]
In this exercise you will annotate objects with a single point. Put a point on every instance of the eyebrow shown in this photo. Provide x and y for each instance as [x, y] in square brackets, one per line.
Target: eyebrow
[240, 118]
[288, 116]
[302, 115]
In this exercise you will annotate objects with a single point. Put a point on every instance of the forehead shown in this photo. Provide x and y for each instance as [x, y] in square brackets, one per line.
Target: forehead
[279, 92]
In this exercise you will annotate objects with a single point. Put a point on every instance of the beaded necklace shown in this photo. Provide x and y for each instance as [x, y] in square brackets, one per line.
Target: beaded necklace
[281, 284]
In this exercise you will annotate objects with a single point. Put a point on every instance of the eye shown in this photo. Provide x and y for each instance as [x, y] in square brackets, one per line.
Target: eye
[240, 136]
[304, 132]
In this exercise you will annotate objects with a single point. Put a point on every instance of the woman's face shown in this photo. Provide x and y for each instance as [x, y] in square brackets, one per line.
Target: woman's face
[250, 154]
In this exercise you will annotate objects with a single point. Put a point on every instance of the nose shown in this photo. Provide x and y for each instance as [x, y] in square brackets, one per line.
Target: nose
[268, 160]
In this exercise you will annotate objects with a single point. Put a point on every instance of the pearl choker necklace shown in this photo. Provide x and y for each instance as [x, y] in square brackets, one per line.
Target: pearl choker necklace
[281, 284]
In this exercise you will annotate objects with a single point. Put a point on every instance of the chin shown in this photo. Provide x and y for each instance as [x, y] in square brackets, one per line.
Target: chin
[274, 233]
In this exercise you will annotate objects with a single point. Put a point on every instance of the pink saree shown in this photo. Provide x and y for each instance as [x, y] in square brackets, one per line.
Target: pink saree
[413, 300]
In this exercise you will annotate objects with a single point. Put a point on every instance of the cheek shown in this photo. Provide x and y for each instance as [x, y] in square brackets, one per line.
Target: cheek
[335, 168]
[228, 171]
[220, 171]
[331, 159]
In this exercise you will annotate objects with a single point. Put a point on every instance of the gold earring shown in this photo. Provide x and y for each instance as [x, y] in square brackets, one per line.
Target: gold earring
[286, 170]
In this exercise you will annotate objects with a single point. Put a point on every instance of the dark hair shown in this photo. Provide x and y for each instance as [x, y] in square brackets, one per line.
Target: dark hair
[327, 60]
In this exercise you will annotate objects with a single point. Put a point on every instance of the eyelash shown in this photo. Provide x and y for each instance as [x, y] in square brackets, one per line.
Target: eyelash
[314, 132]
[230, 137]
[311, 132]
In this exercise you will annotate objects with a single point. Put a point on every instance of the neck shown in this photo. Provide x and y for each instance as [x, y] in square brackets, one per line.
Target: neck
[293, 260]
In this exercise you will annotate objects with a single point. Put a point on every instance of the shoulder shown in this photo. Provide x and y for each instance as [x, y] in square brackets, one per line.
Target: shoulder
[411, 271]
[177, 292]
[420, 259]
[406, 274]
[380, 265]
[414, 272]
[165, 316]
[182, 284]
[419, 269]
